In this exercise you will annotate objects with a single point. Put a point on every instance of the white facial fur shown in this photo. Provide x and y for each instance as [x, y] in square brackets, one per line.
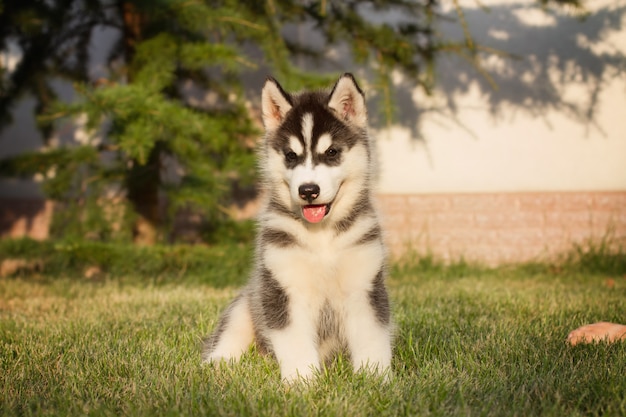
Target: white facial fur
[328, 178]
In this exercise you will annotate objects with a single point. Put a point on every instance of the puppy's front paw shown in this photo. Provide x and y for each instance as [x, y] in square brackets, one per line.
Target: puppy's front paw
[596, 332]
[297, 375]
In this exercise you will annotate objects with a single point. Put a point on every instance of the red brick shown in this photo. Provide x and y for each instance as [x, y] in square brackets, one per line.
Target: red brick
[446, 221]
[491, 228]
[614, 202]
[528, 225]
[483, 203]
[392, 203]
[429, 203]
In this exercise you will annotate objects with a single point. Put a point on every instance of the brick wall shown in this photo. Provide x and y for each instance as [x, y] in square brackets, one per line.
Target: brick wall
[25, 217]
[503, 227]
[491, 228]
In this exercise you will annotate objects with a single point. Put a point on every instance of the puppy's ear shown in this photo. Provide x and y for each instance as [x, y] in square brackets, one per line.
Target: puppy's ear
[348, 101]
[275, 103]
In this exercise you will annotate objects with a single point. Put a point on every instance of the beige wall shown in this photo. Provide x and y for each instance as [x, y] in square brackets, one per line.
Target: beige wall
[557, 122]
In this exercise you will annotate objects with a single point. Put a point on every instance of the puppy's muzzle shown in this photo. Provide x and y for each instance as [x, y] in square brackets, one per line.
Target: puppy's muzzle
[309, 192]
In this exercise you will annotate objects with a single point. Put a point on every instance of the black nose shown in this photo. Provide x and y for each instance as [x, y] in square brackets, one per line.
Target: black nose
[309, 192]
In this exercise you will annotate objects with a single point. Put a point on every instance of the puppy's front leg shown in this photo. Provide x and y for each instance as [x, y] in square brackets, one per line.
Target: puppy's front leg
[368, 329]
[296, 353]
[288, 321]
[295, 347]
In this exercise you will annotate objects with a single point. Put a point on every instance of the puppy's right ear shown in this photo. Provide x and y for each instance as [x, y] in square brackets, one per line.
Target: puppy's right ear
[348, 102]
[275, 103]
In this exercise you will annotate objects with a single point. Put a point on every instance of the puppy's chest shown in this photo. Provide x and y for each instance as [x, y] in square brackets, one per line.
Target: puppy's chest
[324, 265]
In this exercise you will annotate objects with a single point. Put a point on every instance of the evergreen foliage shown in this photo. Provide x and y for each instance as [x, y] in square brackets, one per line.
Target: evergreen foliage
[142, 120]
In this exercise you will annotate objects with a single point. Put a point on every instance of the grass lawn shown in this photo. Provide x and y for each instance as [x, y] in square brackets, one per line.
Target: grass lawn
[469, 341]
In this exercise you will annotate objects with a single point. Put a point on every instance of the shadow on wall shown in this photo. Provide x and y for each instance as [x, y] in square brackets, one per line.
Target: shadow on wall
[547, 62]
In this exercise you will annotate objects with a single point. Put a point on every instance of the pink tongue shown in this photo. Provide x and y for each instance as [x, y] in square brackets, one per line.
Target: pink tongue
[314, 213]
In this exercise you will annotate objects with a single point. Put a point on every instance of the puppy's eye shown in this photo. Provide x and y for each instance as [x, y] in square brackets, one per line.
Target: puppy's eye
[332, 152]
[291, 156]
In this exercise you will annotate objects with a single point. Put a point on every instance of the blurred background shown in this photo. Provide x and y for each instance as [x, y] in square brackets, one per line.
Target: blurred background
[500, 124]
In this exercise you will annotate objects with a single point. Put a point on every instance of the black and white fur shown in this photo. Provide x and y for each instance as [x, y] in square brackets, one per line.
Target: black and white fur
[318, 285]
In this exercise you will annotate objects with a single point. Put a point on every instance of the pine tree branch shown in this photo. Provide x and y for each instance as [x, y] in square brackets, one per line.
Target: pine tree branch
[242, 22]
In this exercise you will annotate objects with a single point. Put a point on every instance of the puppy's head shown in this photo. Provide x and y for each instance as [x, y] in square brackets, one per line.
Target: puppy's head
[316, 151]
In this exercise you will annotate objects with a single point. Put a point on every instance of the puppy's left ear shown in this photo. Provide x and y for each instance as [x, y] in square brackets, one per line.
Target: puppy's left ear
[275, 103]
[348, 101]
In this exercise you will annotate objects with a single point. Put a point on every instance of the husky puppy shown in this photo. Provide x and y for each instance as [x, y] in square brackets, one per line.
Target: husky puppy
[318, 284]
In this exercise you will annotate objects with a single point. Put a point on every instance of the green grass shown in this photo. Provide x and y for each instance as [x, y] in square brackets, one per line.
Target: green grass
[218, 265]
[469, 341]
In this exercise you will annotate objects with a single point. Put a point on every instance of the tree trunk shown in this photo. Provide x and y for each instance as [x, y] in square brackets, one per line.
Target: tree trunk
[142, 185]
[142, 181]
